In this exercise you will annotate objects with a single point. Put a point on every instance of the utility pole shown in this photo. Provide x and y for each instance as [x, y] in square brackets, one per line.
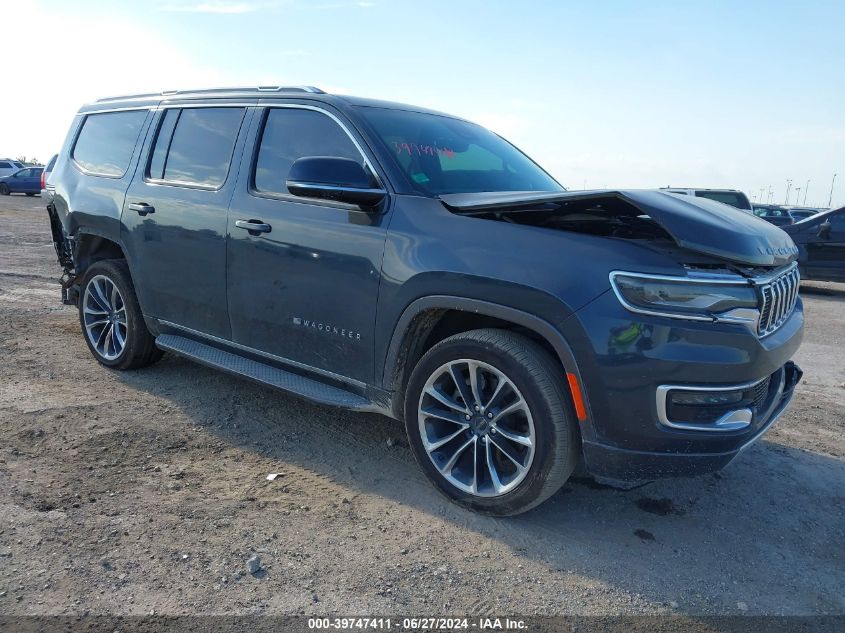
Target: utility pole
[830, 200]
[807, 186]
[788, 188]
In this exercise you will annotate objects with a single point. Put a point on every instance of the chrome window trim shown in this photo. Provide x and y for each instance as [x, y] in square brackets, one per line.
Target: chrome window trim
[280, 359]
[731, 421]
[302, 183]
[123, 109]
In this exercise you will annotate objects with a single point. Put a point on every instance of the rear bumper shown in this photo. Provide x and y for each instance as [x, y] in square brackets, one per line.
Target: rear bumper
[611, 462]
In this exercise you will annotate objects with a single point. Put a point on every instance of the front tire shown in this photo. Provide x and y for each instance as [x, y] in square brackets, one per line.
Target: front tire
[111, 318]
[490, 423]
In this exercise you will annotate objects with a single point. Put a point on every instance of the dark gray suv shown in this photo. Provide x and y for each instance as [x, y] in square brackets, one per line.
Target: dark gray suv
[385, 258]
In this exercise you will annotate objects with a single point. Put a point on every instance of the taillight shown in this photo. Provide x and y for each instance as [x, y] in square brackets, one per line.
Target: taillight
[43, 178]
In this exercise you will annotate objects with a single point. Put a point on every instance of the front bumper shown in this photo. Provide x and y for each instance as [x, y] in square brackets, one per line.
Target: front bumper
[614, 463]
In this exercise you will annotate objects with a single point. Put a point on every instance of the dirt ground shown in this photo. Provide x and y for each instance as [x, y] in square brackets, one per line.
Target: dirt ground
[127, 493]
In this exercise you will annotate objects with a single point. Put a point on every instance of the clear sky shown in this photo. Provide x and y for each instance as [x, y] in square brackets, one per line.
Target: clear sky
[740, 94]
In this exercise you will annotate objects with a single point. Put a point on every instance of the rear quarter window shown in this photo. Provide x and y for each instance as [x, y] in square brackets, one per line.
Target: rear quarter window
[106, 141]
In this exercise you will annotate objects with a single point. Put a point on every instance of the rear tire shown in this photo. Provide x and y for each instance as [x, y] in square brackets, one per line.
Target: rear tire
[4, 189]
[502, 442]
[111, 319]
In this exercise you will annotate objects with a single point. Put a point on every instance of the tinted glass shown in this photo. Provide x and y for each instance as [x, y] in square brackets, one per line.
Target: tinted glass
[24, 173]
[165, 133]
[439, 154]
[105, 144]
[201, 146]
[290, 134]
[5, 165]
[51, 163]
[732, 198]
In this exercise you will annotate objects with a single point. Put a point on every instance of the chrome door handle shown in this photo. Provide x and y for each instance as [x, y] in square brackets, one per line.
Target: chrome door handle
[253, 226]
[142, 208]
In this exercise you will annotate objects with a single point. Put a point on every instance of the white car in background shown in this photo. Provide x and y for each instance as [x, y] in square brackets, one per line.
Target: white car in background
[9, 167]
[732, 197]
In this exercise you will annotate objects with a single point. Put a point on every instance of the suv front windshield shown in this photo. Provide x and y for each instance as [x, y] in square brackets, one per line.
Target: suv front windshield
[440, 155]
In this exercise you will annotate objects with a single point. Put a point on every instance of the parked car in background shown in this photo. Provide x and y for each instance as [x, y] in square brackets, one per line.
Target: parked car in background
[27, 180]
[776, 214]
[802, 213]
[821, 245]
[45, 175]
[9, 167]
[730, 197]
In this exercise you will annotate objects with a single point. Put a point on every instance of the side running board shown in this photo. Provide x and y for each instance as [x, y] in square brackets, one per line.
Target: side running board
[265, 374]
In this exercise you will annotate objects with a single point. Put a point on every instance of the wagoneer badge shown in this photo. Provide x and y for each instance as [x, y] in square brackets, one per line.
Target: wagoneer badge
[328, 329]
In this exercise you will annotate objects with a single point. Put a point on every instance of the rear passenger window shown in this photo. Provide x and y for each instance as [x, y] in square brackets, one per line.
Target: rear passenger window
[194, 145]
[292, 133]
[5, 165]
[105, 143]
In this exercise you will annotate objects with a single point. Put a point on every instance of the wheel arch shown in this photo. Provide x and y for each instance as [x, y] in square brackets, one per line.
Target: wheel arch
[430, 319]
[92, 247]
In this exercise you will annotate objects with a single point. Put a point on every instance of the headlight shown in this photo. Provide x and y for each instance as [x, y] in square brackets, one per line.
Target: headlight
[680, 297]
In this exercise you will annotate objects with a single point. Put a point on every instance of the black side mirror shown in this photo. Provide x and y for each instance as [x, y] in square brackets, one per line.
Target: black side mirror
[824, 230]
[334, 178]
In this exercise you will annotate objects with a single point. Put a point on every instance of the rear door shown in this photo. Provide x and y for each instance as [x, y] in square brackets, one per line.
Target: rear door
[174, 218]
[305, 290]
[826, 254]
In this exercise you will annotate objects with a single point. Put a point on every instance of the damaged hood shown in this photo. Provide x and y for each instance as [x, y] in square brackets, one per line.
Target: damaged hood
[697, 224]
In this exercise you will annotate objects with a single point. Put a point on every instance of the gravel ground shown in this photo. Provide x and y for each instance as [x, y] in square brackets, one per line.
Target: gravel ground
[126, 493]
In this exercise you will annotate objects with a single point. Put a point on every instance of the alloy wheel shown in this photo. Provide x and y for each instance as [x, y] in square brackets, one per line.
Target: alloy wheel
[104, 317]
[476, 428]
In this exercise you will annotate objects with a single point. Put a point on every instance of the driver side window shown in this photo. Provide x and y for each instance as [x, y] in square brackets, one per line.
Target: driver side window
[293, 133]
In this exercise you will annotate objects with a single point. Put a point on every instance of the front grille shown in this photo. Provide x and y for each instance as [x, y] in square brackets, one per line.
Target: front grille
[779, 297]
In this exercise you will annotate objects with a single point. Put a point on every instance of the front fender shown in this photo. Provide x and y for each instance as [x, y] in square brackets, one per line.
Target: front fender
[395, 351]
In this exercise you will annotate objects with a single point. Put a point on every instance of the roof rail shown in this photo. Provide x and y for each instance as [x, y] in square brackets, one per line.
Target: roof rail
[202, 91]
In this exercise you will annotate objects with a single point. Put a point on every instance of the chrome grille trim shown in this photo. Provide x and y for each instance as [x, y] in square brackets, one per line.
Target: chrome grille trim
[779, 296]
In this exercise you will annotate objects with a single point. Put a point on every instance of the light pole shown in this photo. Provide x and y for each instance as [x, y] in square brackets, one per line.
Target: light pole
[771, 194]
[797, 194]
[830, 200]
[807, 186]
[788, 188]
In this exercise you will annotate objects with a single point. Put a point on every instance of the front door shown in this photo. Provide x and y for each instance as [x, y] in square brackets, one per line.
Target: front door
[305, 290]
[174, 216]
[826, 252]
